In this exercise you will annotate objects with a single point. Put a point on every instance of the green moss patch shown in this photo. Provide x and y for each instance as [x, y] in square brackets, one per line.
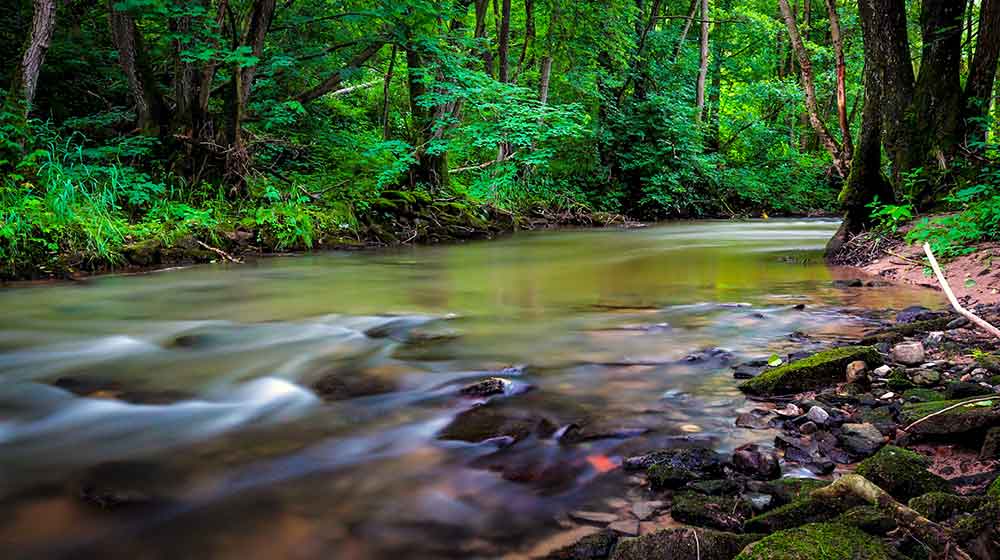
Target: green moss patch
[799, 512]
[941, 506]
[819, 370]
[923, 395]
[868, 519]
[817, 541]
[682, 544]
[901, 473]
[896, 333]
[994, 490]
[963, 419]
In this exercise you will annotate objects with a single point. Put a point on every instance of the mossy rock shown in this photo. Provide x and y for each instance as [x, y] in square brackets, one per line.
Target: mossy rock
[590, 547]
[922, 395]
[718, 512]
[819, 370]
[901, 473]
[941, 506]
[868, 519]
[984, 519]
[994, 490]
[976, 416]
[799, 512]
[788, 490]
[683, 544]
[897, 332]
[817, 541]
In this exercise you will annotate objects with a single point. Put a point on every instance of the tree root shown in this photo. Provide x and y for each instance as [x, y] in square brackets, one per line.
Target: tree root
[935, 536]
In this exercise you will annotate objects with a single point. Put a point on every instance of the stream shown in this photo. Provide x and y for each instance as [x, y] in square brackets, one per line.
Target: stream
[311, 406]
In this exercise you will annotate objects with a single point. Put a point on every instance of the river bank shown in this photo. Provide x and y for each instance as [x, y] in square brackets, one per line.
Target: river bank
[913, 406]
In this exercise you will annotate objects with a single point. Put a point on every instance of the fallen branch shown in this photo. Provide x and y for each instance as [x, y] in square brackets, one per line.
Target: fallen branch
[220, 252]
[935, 536]
[954, 301]
[482, 165]
[952, 407]
[365, 85]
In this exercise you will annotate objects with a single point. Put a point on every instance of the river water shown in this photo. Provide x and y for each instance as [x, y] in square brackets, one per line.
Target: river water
[175, 415]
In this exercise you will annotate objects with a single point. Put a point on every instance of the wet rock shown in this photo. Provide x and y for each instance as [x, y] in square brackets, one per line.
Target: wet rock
[882, 417]
[809, 427]
[934, 339]
[700, 459]
[819, 370]
[801, 511]
[712, 512]
[486, 387]
[682, 544]
[759, 502]
[882, 371]
[959, 420]
[98, 388]
[901, 473]
[942, 506]
[338, 386]
[857, 372]
[916, 313]
[718, 487]
[718, 355]
[749, 370]
[626, 527]
[836, 541]
[957, 323]
[818, 415]
[124, 484]
[991, 445]
[674, 468]
[753, 461]
[593, 517]
[897, 332]
[488, 421]
[850, 283]
[909, 353]
[860, 440]
[926, 377]
[790, 489]
[757, 419]
[645, 510]
[594, 546]
[869, 519]
[959, 390]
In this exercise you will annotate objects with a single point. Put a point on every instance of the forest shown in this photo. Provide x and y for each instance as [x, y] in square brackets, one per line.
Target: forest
[133, 128]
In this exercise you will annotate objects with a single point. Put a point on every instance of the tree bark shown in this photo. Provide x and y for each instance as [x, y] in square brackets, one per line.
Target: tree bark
[334, 80]
[24, 82]
[703, 65]
[809, 87]
[529, 37]
[846, 142]
[385, 93]
[543, 80]
[692, 11]
[982, 72]
[480, 34]
[149, 104]
[261, 17]
[503, 43]
[431, 169]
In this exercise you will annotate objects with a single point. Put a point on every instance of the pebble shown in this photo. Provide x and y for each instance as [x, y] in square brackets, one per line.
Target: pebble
[934, 339]
[888, 396]
[808, 428]
[882, 371]
[818, 415]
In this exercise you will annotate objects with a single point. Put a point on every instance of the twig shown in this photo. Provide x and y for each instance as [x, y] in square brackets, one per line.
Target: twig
[219, 252]
[906, 259]
[952, 407]
[954, 301]
[481, 165]
[697, 544]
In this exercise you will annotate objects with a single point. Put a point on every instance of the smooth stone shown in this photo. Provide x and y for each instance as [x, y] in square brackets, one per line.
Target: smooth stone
[818, 415]
[860, 439]
[856, 371]
[645, 510]
[808, 428]
[486, 387]
[593, 516]
[753, 461]
[926, 377]
[883, 370]
[909, 353]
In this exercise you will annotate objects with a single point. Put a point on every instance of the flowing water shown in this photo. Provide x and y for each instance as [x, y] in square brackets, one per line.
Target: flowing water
[175, 414]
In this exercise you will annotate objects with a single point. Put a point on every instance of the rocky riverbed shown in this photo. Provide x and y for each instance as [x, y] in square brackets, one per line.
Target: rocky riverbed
[913, 407]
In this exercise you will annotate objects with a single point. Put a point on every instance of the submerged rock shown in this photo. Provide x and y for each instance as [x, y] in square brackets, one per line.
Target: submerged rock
[486, 387]
[122, 484]
[590, 547]
[338, 386]
[683, 544]
[829, 541]
[901, 472]
[803, 510]
[819, 370]
[488, 421]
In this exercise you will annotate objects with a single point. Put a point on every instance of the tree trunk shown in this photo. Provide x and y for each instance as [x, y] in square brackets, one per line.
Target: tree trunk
[529, 36]
[385, 93]
[334, 80]
[982, 72]
[431, 169]
[24, 82]
[543, 80]
[692, 11]
[703, 66]
[480, 34]
[846, 142]
[149, 104]
[715, 94]
[808, 86]
[503, 43]
[260, 22]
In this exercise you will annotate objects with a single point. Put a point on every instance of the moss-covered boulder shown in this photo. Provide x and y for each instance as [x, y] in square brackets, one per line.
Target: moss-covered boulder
[819, 370]
[673, 468]
[683, 544]
[967, 418]
[994, 490]
[801, 511]
[789, 489]
[869, 519]
[941, 506]
[922, 395]
[713, 512]
[901, 473]
[817, 541]
[590, 547]
[897, 332]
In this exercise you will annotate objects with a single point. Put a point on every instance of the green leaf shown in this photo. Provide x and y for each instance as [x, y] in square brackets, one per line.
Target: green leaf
[775, 360]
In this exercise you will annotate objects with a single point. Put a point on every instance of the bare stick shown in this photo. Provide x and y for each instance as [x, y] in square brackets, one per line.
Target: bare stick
[952, 407]
[954, 301]
[219, 252]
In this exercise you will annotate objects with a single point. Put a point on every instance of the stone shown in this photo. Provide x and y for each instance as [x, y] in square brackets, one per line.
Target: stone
[887, 396]
[818, 414]
[713, 512]
[756, 419]
[860, 440]
[869, 519]
[882, 371]
[857, 372]
[342, 385]
[486, 387]
[758, 501]
[909, 353]
[672, 468]
[487, 422]
[849, 283]
[958, 323]
[645, 510]
[753, 461]
[808, 427]
[593, 545]
[915, 313]
[593, 517]
[803, 510]
[819, 370]
[942, 506]
[934, 339]
[682, 544]
[963, 419]
[829, 541]
[926, 377]
[991, 445]
[627, 527]
[901, 473]
[961, 390]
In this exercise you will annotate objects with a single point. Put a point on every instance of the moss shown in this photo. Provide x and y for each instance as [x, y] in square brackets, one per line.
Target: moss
[799, 512]
[590, 547]
[683, 543]
[896, 333]
[922, 395]
[788, 490]
[818, 370]
[868, 519]
[959, 420]
[722, 513]
[985, 518]
[817, 541]
[941, 506]
[901, 473]
[994, 490]
[897, 381]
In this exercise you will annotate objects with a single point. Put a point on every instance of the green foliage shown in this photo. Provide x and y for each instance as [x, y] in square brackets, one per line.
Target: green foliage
[889, 217]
